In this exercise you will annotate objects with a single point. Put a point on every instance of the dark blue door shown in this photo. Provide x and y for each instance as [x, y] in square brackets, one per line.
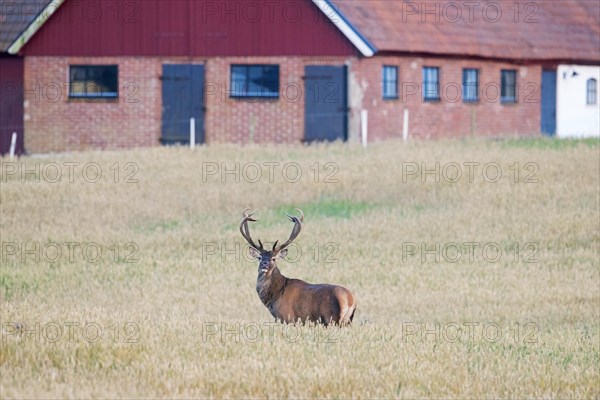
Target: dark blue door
[326, 103]
[11, 103]
[549, 102]
[182, 99]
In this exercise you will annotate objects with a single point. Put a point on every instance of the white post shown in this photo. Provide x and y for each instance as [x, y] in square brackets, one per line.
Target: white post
[364, 126]
[192, 133]
[405, 125]
[13, 144]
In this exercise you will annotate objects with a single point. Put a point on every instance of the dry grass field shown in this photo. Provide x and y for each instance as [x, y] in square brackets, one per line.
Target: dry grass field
[124, 273]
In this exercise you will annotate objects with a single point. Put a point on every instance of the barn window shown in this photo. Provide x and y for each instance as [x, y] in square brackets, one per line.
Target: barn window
[592, 91]
[390, 82]
[470, 85]
[255, 81]
[508, 86]
[431, 84]
[93, 81]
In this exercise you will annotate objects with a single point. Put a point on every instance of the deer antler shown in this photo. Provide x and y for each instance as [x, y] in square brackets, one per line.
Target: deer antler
[245, 231]
[295, 231]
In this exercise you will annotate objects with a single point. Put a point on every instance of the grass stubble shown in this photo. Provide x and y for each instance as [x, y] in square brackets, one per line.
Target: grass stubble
[184, 320]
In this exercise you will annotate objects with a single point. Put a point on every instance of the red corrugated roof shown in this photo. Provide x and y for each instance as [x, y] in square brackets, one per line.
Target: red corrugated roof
[558, 30]
[566, 30]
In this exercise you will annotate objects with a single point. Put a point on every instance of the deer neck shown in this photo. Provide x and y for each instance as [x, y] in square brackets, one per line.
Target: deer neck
[270, 286]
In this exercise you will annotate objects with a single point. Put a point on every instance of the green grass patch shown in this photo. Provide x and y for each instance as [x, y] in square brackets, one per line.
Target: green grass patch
[157, 226]
[328, 208]
[549, 143]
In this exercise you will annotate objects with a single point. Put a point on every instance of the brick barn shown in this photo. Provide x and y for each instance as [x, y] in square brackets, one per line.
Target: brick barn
[101, 74]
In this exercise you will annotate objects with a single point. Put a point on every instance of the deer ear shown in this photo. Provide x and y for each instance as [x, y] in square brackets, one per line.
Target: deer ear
[282, 253]
[253, 252]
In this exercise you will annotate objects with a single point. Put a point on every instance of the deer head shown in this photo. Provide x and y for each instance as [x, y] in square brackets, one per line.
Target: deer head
[268, 258]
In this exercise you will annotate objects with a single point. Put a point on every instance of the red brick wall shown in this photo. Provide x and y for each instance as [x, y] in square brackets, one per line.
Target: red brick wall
[450, 116]
[55, 123]
[259, 121]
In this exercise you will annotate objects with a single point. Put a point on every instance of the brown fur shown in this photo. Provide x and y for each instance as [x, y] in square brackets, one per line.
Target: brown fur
[293, 300]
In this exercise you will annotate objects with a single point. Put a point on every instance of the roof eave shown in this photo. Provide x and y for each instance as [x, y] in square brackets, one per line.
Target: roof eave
[361, 43]
[34, 26]
[517, 60]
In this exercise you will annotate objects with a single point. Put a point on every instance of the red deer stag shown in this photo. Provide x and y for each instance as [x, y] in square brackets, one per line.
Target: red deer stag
[293, 300]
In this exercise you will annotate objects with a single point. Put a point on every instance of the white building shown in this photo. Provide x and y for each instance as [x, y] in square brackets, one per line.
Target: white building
[578, 101]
